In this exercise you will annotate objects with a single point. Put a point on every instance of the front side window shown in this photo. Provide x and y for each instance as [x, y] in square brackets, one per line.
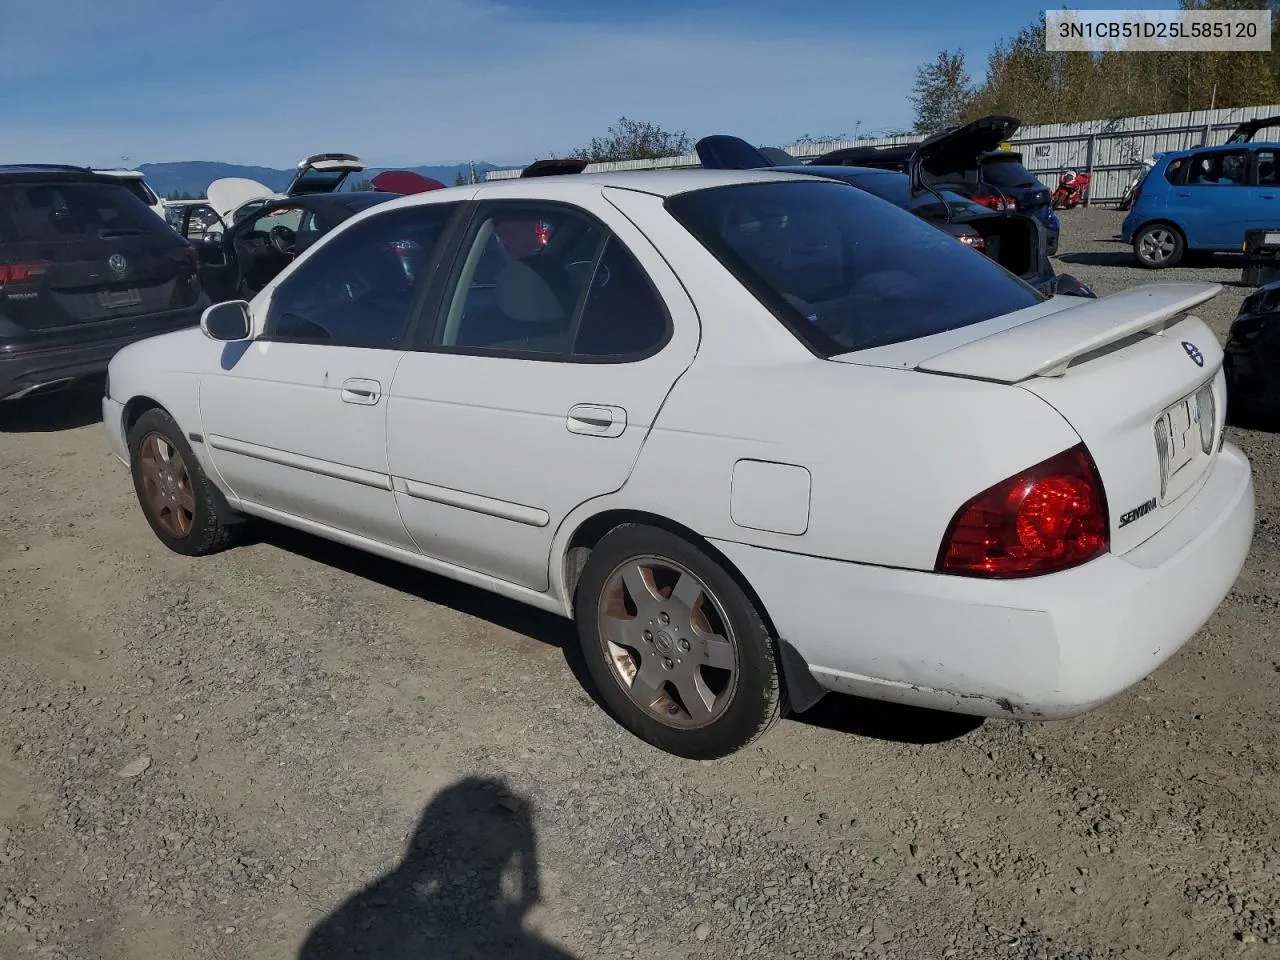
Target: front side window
[357, 290]
[843, 270]
[1266, 168]
[546, 280]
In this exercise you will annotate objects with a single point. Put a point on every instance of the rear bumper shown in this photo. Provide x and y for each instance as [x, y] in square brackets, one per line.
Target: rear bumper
[27, 366]
[1129, 227]
[1041, 648]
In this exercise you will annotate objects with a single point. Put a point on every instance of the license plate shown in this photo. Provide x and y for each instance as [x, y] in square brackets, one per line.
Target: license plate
[1178, 437]
[115, 299]
[1271, 239]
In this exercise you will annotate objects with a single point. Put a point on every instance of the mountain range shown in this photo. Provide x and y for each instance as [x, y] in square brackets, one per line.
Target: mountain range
[192, 177]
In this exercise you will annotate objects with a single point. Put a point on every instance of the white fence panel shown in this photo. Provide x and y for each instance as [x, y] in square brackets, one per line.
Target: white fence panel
[1112, 150]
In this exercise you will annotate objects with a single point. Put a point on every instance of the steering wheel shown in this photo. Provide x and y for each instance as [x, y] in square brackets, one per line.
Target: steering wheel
[282, 239]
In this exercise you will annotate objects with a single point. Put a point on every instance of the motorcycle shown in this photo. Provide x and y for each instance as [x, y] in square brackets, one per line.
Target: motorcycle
[1071, 190]
[1132, 190]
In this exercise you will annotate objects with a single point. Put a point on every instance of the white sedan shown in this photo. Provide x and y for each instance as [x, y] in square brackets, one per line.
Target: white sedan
[762, 436]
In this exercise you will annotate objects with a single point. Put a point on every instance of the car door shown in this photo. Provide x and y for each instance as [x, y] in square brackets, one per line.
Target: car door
[264, 246]
[295, 419]
[555, 341]
[1214, 201]
[1264, 212]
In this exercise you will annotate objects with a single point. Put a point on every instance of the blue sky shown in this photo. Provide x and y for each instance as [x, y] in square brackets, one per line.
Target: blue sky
[424, 81]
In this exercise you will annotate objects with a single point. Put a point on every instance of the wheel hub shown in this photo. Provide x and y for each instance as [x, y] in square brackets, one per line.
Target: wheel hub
[664, 642]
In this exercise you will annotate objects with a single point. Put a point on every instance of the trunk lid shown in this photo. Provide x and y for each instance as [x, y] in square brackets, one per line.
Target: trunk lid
[1247, 130]
[952, 155]
[404, 182]
[1135, 374]
[723, 151]
[323, 173]
[87, 254]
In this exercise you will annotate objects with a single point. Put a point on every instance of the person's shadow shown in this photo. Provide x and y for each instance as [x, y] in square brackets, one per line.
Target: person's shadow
[466, 881]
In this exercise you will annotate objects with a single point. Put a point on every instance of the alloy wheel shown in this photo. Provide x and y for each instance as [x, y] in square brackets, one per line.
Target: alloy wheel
[668, 642]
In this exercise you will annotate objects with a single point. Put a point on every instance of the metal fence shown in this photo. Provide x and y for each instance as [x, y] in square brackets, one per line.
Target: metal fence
[1110, 150]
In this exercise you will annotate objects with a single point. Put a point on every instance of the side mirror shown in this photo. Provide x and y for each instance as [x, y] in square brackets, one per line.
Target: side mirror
[227, 322]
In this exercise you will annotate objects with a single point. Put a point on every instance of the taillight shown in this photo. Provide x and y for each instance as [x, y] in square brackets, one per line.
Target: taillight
[996, 203]
[1047, 518]
[28, 272]
[975, 240]
[543, 232]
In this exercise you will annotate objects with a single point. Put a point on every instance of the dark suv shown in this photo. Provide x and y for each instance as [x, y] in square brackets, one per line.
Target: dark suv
[85, 268]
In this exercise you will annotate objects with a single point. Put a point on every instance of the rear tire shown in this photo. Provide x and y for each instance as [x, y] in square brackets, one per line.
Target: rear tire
[176, 496]
[1158, 245]
[676, 648]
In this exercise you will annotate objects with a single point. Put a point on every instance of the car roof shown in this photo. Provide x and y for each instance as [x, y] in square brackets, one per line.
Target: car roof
[49, 171]
[1219, 148]
[660, 183]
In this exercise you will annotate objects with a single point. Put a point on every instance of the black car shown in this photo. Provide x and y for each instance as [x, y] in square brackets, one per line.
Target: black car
[966, 159]
[85, 269]
[236, 264]
[1016, 241]
[1252, 357]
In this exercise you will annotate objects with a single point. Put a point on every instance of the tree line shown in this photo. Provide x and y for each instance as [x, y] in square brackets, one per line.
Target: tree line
[1025, 80]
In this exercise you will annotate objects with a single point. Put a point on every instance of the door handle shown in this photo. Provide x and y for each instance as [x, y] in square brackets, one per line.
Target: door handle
[364, 392]
[596, 420]
[1268, 196]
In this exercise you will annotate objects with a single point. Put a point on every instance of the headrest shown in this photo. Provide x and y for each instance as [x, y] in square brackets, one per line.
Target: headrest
[525, 297]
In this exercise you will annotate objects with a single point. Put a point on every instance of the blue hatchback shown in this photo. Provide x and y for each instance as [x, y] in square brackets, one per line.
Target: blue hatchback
[1203, 200]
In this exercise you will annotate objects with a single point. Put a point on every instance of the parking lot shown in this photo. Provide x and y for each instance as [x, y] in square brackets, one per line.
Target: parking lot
[292, 749]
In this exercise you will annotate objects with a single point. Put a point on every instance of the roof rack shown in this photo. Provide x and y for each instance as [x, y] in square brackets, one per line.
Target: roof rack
[45, 166]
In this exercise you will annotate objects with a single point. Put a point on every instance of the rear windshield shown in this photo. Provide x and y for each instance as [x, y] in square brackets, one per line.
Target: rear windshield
[46, 212]
[1008, 173]
[845, 270]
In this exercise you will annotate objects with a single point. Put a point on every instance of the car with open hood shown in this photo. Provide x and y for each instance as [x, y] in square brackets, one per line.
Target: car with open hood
[1016, 241]
[759, 435]
[967, 159]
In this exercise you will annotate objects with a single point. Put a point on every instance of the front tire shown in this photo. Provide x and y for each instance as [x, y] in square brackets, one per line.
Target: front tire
[676, 648]
[176, 496]
[1158, 245]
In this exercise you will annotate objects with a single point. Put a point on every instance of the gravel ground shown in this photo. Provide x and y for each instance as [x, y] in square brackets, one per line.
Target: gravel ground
[294, 750]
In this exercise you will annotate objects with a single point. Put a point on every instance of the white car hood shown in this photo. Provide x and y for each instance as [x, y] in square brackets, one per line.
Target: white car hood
[230, 193]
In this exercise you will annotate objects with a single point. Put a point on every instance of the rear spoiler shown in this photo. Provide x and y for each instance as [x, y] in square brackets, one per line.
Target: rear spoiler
[1047, 345]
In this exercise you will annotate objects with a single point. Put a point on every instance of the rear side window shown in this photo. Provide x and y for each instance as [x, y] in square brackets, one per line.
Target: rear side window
[1225, 169]
[46, 212]
[844, 270]
[1176, 171]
